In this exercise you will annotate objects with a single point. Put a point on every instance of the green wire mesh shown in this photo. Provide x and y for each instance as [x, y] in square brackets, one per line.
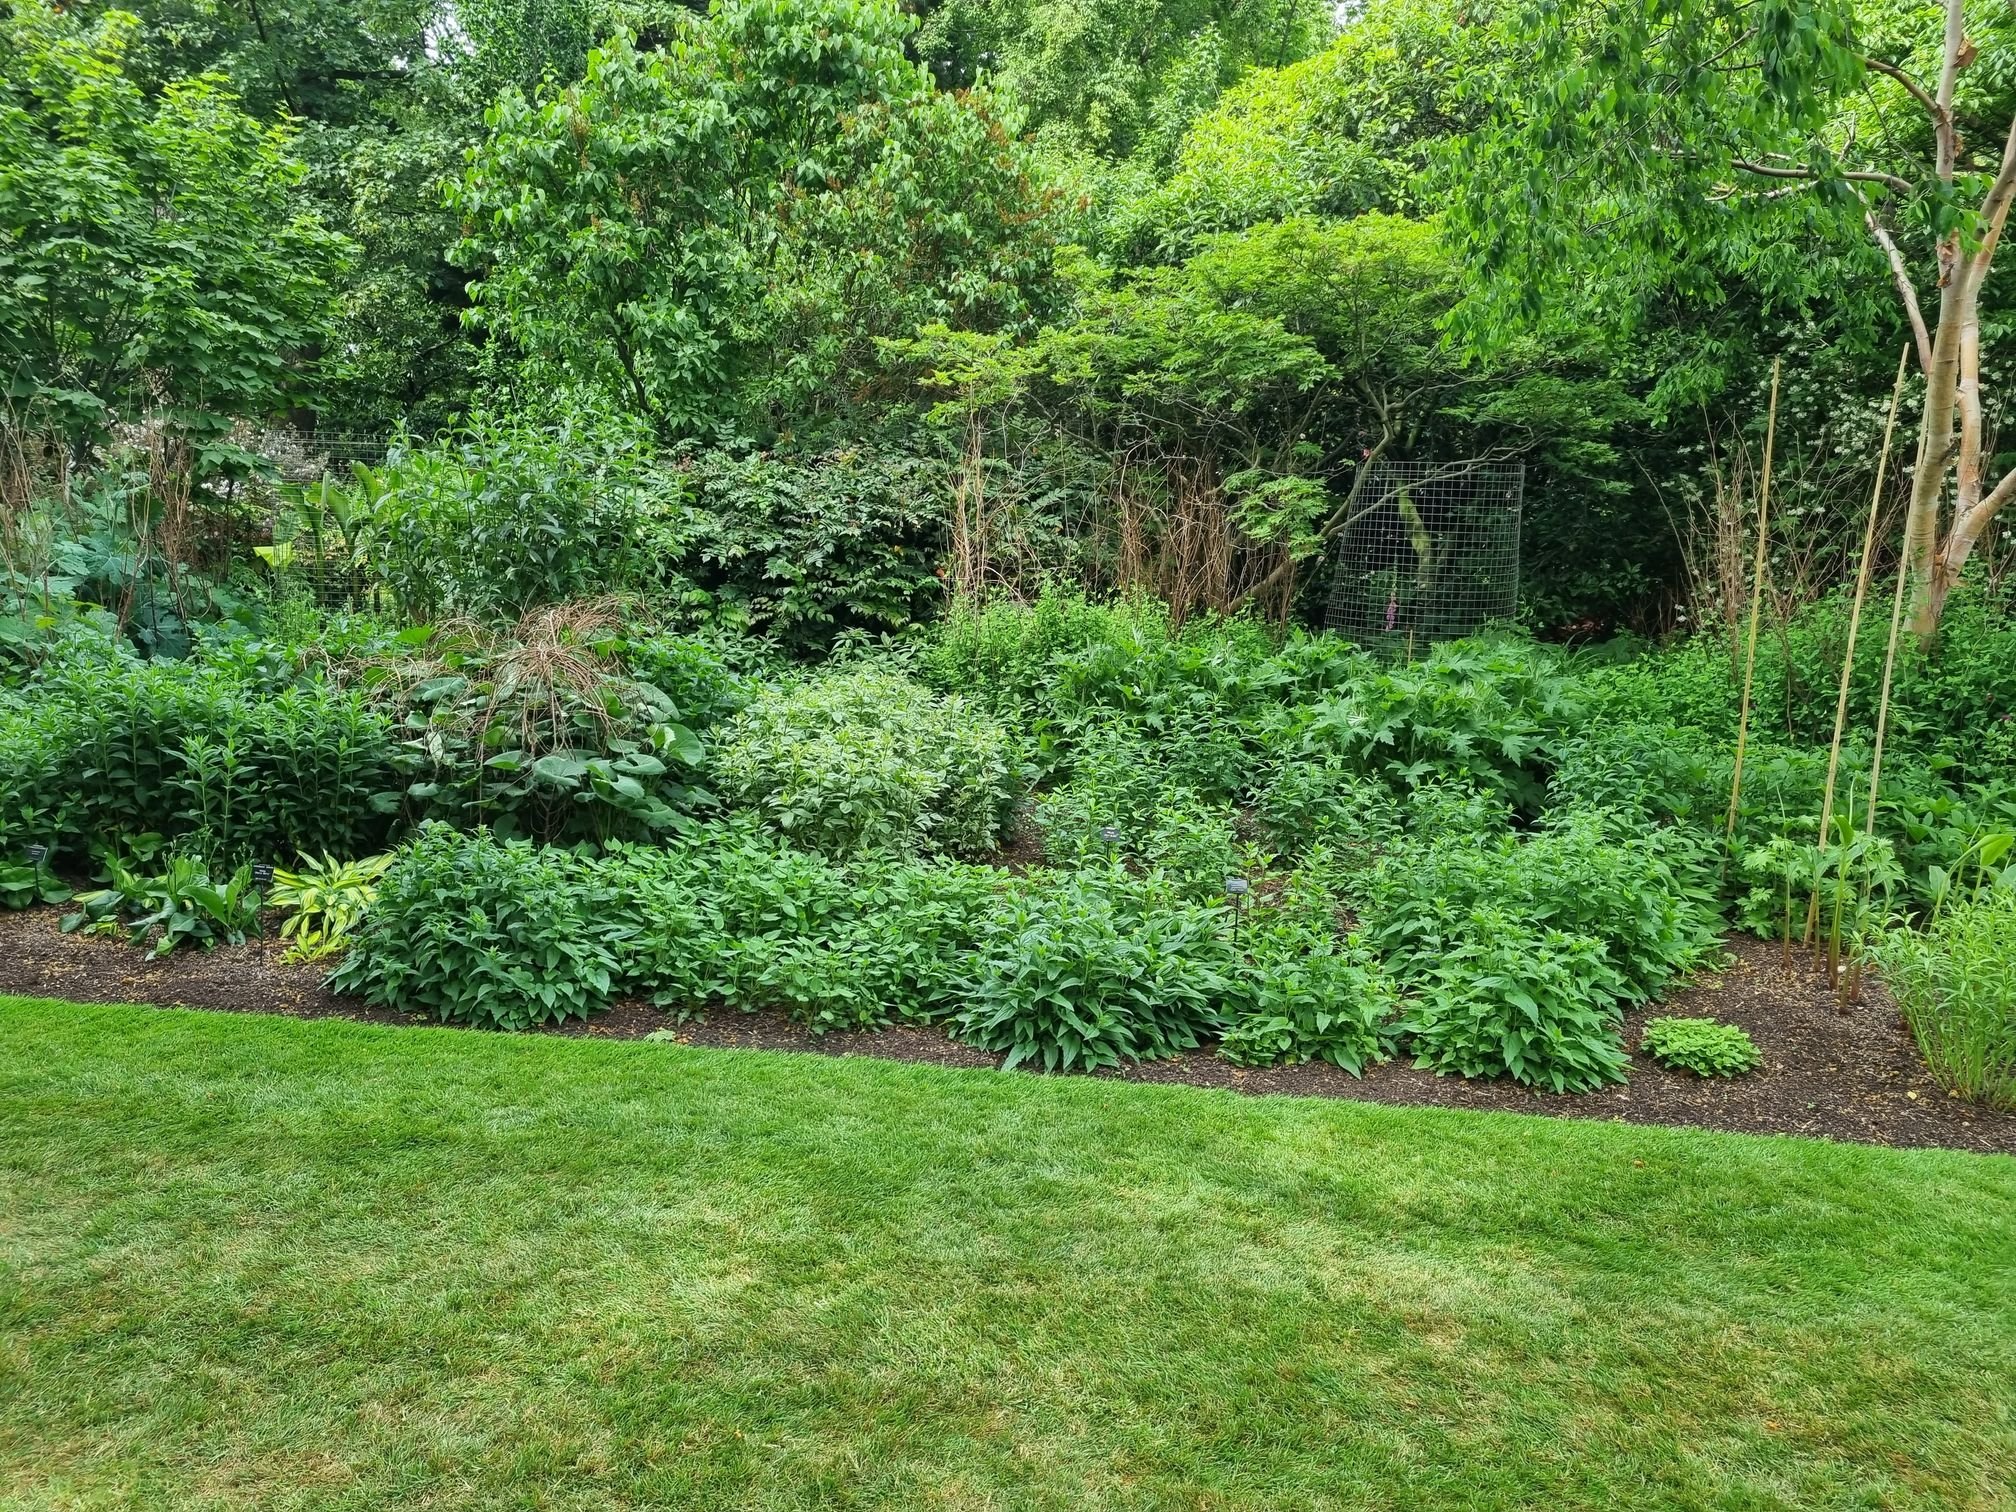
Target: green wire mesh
[1429, 553]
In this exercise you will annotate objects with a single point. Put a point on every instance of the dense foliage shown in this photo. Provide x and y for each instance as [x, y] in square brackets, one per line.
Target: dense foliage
[847, 497]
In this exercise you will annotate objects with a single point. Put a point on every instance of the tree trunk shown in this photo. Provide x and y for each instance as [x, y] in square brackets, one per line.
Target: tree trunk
[1935, 453]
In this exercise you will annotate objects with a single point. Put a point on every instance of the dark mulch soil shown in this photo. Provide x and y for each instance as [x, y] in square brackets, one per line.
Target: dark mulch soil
[1829, 1074]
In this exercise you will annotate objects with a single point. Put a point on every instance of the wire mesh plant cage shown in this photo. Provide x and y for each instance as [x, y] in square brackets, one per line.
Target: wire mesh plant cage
[307, 537]
[1430, 553]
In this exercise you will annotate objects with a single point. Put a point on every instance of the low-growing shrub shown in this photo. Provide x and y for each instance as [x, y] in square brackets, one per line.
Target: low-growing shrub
[1481, 713]
[1443, 809]
[1660, 771]
[1309, 800]
[481, 931]
[25, 883]
[1508, 998]
[866, 761]
[502, 516]
[1700, 1045]
[1080, 970]
[1304, 993]
[1647, 893]
[734, 917]
[1954, 983]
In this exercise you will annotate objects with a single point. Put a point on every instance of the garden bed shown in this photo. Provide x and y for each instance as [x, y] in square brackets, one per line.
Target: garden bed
[1827, 1074]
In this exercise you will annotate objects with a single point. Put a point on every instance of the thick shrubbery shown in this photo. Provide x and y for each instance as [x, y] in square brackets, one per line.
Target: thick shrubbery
[733, 917]
[476, 930]
[1085, 969]
[1306, 993]
[540, 731]
[501, 517]
[1508, 998]
[238, 767]
[1646, 894]
[1456, 860]
[867, 761]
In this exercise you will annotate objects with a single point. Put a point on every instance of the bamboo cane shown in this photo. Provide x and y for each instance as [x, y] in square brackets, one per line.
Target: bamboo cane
[1756, 606]
[1889, 671]
[1854, 629]
[1883, 699]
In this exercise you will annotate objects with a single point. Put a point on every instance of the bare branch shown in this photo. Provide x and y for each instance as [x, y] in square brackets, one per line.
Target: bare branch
[1949, 77]
[1940, 115]
[1906, 291]
[1995, 210]
[1997, 497]
[1766, 170]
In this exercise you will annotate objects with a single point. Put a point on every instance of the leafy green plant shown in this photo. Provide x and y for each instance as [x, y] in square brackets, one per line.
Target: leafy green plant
[1647, 893]
[1307, 800]
[1508, 998]
[481, 931]
[239, 762]
[706, 294]
[731, 915]
[180, 906]
[119, 182]
[325, 899]
[1700, 1045]
[1953, 983]
[801, 547]
[538, 730]
[866, 761]
[1305, 993]
[503, 516]
[1081, 970]
[26, 883]
[1475, 713]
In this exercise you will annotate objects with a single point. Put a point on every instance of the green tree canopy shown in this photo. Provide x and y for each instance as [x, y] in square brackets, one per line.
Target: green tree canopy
[152, 251]
[1657, 150]
[1114, 76]
[1352, 129]
[717, 232]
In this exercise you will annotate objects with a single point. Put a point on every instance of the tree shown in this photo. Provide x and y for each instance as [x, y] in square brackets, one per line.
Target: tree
[1660, 147]
[1239, 384]
[1351, 129]
[152, 254]
[717, 233]
[1114, 75]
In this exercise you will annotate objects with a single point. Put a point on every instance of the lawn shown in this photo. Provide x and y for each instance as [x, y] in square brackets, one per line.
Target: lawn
[254, 1261]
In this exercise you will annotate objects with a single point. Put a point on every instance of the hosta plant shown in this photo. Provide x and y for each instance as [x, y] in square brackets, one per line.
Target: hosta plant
[325, 899]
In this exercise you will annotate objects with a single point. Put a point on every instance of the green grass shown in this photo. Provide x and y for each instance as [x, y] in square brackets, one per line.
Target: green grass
[253, 1261]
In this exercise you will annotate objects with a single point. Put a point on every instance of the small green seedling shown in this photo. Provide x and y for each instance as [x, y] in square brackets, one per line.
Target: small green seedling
[1700, 1045]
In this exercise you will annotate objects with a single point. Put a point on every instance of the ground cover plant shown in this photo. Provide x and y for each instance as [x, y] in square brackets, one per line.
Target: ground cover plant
[592, 1250]
[1700, 1045]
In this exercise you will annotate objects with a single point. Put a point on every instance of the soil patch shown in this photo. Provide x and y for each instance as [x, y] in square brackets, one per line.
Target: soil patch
[1853, 1075]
